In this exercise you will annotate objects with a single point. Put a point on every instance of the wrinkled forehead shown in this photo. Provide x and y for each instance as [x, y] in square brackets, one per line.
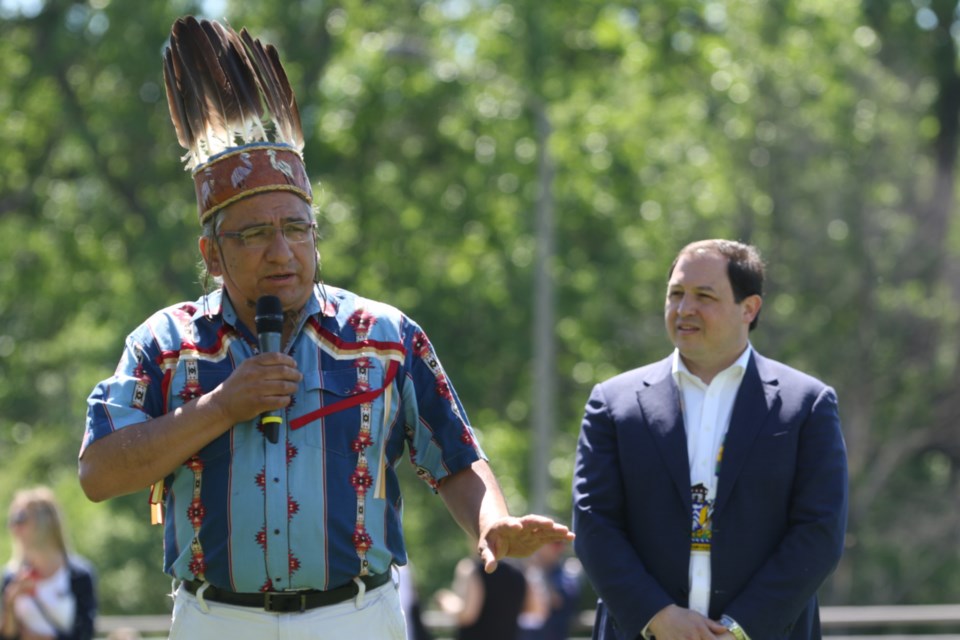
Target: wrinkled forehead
[270, 207]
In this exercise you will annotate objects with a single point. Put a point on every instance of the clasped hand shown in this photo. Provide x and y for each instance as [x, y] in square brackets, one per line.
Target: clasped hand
[677, 623]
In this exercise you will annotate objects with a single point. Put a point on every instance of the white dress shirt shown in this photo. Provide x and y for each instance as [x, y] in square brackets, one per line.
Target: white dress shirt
[706, 418]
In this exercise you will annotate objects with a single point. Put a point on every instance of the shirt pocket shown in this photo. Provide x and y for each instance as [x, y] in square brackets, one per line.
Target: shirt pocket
[342, 392]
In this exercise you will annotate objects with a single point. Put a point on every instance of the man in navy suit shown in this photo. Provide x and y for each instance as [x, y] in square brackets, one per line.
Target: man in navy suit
[710, 488]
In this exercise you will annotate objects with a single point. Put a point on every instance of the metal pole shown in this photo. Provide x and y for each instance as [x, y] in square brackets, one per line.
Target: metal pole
[544, 348]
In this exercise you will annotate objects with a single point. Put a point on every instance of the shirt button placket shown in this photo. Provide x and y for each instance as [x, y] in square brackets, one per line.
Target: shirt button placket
[277, 521]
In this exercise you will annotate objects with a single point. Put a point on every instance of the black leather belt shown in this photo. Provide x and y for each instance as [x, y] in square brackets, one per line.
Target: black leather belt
[286, 601]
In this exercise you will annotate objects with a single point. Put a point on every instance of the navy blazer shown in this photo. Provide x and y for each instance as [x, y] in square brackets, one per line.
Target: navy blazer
[779, 517]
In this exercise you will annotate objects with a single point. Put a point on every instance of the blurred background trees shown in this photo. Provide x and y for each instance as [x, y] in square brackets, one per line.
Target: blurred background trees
[824, 132]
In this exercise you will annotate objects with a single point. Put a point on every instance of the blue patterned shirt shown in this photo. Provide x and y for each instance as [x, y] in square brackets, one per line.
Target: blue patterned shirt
[322, 505]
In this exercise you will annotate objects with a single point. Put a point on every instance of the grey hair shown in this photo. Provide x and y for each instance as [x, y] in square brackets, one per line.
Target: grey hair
[209, 231]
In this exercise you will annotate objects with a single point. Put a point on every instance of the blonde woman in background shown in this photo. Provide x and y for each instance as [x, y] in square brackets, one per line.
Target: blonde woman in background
[48, 594]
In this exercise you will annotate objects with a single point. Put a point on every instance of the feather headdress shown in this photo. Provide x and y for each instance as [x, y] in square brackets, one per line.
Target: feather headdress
[218, 82]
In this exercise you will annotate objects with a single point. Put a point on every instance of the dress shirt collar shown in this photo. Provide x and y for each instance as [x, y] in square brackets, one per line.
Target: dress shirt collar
[679, 369]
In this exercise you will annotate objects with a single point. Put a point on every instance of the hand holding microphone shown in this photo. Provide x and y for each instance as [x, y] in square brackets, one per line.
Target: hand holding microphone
[269, 321]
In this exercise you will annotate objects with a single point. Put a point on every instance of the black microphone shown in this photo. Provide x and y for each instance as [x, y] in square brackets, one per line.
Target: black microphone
[269, 319]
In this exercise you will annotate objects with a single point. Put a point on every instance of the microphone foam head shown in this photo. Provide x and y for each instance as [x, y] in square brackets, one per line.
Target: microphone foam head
[269, 315]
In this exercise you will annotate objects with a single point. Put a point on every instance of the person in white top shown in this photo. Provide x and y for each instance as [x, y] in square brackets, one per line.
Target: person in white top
[710, 488]
[47, 593]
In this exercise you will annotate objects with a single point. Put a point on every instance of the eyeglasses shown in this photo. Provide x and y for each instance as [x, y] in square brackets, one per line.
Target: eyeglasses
[18, 518]
[263, 235]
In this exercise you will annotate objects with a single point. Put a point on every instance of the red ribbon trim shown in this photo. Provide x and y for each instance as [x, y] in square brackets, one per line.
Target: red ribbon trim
[346, 403]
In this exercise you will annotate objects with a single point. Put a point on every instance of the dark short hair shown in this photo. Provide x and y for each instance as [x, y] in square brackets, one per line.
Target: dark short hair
[745, 268]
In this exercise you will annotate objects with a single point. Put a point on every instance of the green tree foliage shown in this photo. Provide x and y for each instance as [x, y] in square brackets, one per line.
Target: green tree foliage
[821, 131]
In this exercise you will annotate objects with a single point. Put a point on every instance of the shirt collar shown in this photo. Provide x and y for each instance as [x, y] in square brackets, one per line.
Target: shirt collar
[216, 303]
[678, 368]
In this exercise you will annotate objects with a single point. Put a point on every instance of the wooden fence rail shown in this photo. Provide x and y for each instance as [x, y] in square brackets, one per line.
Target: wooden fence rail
[895, 622]
[900, 615]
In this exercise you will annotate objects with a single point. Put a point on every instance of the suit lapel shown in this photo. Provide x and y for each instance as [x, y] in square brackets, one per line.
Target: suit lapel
[660, 405]
[751, 408]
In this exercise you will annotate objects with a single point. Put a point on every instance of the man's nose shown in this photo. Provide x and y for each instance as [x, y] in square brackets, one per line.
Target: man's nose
[279, 245]
[686, 306]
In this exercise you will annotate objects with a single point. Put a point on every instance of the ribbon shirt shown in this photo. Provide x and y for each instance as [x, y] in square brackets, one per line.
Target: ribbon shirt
[323, 505]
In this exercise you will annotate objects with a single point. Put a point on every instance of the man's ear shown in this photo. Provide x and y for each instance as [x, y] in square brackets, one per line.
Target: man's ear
[211, 256]
[751, 307]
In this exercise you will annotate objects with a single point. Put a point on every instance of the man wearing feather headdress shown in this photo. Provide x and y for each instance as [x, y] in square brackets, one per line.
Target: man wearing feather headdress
[256, 530]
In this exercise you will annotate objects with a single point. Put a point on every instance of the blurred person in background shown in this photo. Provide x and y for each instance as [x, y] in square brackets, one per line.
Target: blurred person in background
[561, 579]
[410, 602]
[48, 593]
[486, 605]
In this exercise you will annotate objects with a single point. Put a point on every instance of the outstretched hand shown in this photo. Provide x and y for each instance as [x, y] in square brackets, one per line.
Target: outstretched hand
[518, 537]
